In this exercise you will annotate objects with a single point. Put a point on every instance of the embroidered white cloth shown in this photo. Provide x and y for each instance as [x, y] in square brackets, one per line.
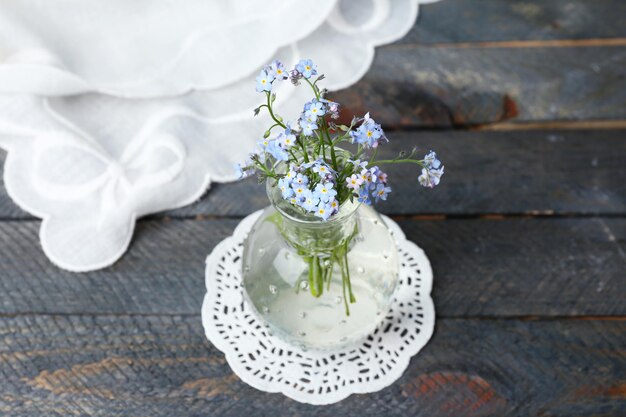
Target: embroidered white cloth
[114, 110]
[316, 377]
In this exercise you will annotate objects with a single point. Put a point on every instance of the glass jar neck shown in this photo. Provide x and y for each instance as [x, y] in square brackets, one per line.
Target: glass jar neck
[307, 232]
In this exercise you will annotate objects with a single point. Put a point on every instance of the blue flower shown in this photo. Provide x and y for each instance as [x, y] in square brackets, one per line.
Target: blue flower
[301, 179]
[299, 190]
[332, 107]
[366, 177]
[377, 176]
[431, 161]
[308, 126]
[264, 81]
[430, 177]
[321, 168]
[314, 109]
[291, 174]
[364, 196]
[274, 149]
[262, 144]
[310, 201]
[286, 141]
[381, 192]
[324, 211]
[292, 130]
[277, 70]
[358, 163]
[307, 68]
[354, 182]
[285, 188]
[368, 134]
[239, 171]
[325, 192]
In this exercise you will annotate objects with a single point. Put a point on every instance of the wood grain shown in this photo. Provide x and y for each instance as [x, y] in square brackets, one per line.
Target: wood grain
[551, 172]
[454, 21]
[421, 86]
[526, 235]
[163, 366]
[519, 172]
[483, 268]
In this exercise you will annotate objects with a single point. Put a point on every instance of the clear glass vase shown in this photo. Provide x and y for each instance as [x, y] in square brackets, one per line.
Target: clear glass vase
[319, 284]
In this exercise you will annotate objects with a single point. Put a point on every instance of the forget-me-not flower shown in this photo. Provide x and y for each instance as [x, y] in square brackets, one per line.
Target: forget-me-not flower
[364, 197]
[321, 168]
[431, 161]
[310, 201]
[430, 177]
[314, 109]
[274, 149]
[264, 81]
[308, 126]
[354, 182]
[307, 68]
[381, 192]
[286, 141]
[325, 192]
[284, 185]
[301, 179]
[324, 211]
[277, 70]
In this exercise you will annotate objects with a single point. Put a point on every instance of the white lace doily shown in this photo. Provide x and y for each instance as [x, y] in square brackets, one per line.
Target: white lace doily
[90, 163]
[316, 377]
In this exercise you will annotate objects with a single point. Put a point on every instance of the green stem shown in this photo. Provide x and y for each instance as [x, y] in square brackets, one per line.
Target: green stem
[314, 87]
[400, 161]
[343, 284]
[332, 148]
[345, 254]
[319, 276]
[330, 272]
[373, 156]
[305, 155]
[269, 107]
[312, 284]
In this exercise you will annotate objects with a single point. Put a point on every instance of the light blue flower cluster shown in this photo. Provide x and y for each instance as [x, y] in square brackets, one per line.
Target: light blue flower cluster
[277, 147]
[368, 183]
[321, 186]
[276, 71]
[369, 134]
[431, 172]
[315, 192]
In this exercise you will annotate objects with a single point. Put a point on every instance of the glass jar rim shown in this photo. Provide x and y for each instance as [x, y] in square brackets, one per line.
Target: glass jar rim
[282, 206]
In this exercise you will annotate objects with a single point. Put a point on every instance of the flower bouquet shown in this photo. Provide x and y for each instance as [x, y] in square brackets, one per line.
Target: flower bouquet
[318, 173]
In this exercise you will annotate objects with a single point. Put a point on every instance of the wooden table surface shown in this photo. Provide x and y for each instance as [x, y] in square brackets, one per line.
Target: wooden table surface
[526, 103]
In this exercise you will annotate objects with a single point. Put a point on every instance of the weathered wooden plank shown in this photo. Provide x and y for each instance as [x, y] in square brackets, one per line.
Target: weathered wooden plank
[418, 86]
[523, 172]
[163, 366]
[487, 172]
[452, 21]
[8, 209]
[483, 268]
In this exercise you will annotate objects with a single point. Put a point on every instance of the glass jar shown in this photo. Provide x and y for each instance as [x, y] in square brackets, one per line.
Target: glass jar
[319, 284]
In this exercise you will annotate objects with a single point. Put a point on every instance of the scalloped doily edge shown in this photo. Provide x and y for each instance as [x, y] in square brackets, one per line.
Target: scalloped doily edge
[394, 374]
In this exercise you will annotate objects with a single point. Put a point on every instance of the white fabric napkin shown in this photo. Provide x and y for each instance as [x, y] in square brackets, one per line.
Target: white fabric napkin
[114, 110]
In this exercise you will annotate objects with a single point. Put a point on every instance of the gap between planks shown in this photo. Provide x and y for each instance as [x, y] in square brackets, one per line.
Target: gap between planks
[535, 214]
[539, 318]
[517, 44]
